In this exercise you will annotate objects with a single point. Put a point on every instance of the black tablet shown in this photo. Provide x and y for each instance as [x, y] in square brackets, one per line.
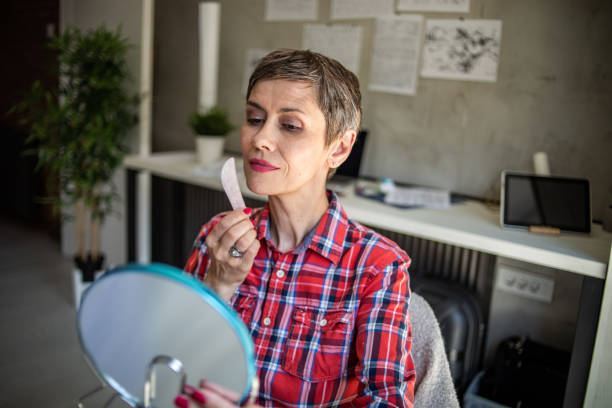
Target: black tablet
[528, 201]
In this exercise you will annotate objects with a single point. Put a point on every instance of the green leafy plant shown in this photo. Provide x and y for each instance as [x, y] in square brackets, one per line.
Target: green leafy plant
[79, 129]
[213, 122]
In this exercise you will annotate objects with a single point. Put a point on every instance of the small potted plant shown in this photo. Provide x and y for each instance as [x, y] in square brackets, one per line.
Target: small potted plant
[79, 130]
[210, 129]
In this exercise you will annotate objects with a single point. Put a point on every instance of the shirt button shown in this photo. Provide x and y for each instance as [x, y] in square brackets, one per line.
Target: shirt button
[267, 321]
[280, 273]
[323, 322]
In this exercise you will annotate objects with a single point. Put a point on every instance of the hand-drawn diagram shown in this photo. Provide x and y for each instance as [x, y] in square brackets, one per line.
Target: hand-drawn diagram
[462, 49]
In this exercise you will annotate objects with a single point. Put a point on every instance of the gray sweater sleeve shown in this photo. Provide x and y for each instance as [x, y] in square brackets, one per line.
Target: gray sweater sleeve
[434, 385]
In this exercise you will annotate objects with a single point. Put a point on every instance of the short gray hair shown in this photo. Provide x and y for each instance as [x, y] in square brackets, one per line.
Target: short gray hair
[337, 88]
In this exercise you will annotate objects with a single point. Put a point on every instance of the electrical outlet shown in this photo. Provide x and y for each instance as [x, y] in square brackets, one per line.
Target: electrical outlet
[525, 284]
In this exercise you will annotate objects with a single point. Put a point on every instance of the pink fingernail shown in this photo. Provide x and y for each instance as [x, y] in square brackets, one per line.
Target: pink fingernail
[253, 222]
[247, 211]
[195, 394]
[181, 402]
[198, 396]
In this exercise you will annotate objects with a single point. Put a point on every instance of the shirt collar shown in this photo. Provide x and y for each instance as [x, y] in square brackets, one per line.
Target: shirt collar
[326, 238]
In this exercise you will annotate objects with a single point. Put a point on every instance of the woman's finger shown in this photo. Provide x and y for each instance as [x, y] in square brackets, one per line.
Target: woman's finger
[224, 224]
[211, 398]
[195, 394]
[234, 231]
[215, 400]
[226, 393]
[251, 252]
[232, 235]
[183, 401]
[198, 398]
[245, 241]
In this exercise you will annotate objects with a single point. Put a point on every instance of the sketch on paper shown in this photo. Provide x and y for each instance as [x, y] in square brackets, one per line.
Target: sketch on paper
[462, 49]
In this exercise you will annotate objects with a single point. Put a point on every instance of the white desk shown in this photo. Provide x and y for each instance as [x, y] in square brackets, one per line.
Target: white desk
[470, 224]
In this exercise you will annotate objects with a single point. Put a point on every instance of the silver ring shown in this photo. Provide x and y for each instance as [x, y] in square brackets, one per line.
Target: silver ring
[235, 252]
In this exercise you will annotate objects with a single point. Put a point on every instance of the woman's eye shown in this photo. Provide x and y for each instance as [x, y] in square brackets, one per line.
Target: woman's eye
[291, 127]
[254, 121]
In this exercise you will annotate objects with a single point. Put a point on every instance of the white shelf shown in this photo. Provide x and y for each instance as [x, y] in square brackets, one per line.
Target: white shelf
[182, 166]
[470, 224]
[473, 225]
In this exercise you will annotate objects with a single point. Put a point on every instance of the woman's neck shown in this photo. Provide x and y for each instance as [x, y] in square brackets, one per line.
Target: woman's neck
[294, 216]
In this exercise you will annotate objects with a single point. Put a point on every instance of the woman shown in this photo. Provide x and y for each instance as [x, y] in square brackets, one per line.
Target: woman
[324, 298]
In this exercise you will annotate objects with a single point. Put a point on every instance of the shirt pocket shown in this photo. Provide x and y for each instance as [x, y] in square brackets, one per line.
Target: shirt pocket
[318, 344]
[244, 304]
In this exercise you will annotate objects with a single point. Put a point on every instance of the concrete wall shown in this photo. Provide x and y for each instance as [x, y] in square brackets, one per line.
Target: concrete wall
[553, 94]
[86, 14]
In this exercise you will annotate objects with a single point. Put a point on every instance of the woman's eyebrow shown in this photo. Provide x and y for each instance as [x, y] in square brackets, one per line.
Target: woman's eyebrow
[255, 105]
[289, 109]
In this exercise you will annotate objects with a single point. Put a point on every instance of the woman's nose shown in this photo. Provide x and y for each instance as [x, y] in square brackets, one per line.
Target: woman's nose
[264, 138]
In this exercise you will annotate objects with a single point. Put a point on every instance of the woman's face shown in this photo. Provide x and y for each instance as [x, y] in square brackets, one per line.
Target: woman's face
[283, 139]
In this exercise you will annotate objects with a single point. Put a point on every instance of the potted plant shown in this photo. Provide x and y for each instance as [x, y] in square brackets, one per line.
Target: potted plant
[210, 129]
[79, 132]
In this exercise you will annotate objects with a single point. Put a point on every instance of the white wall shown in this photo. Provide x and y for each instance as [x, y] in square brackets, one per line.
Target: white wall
[86, 14]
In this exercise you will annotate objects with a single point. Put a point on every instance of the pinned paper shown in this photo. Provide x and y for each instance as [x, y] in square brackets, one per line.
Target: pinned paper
[339, 41]
[353, 9]
[462, 49]
[447, 6]
[395, 56]
[291, 10]
[418, 197]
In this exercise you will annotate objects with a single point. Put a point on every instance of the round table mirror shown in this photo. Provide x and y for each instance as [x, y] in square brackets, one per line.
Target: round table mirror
[148, 329]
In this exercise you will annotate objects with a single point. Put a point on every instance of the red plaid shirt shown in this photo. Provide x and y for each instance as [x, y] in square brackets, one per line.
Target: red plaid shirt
[329, 319]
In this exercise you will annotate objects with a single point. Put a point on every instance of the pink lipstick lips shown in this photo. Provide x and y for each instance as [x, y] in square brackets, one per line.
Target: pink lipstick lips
[261, 165]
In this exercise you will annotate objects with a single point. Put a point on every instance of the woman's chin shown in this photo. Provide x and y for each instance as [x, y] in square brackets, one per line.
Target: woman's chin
[260, 188]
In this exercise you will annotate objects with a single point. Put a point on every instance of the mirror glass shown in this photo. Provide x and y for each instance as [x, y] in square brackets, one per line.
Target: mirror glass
[137, 314]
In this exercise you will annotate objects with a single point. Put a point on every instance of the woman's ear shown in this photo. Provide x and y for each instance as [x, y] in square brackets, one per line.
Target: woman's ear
[341, 148]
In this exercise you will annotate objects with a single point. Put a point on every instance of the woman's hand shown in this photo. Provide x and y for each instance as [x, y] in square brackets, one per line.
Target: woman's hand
[208, 396]
[227, 272]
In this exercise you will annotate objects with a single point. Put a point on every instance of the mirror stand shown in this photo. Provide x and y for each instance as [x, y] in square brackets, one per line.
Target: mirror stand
[149, 385]
[94, 392]
[150, 381]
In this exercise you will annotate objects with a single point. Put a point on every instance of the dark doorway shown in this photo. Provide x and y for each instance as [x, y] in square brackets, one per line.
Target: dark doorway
[25, 27]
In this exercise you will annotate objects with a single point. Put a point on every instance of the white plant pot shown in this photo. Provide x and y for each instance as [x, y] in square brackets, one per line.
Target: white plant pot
[209, 149]
[79, 286]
